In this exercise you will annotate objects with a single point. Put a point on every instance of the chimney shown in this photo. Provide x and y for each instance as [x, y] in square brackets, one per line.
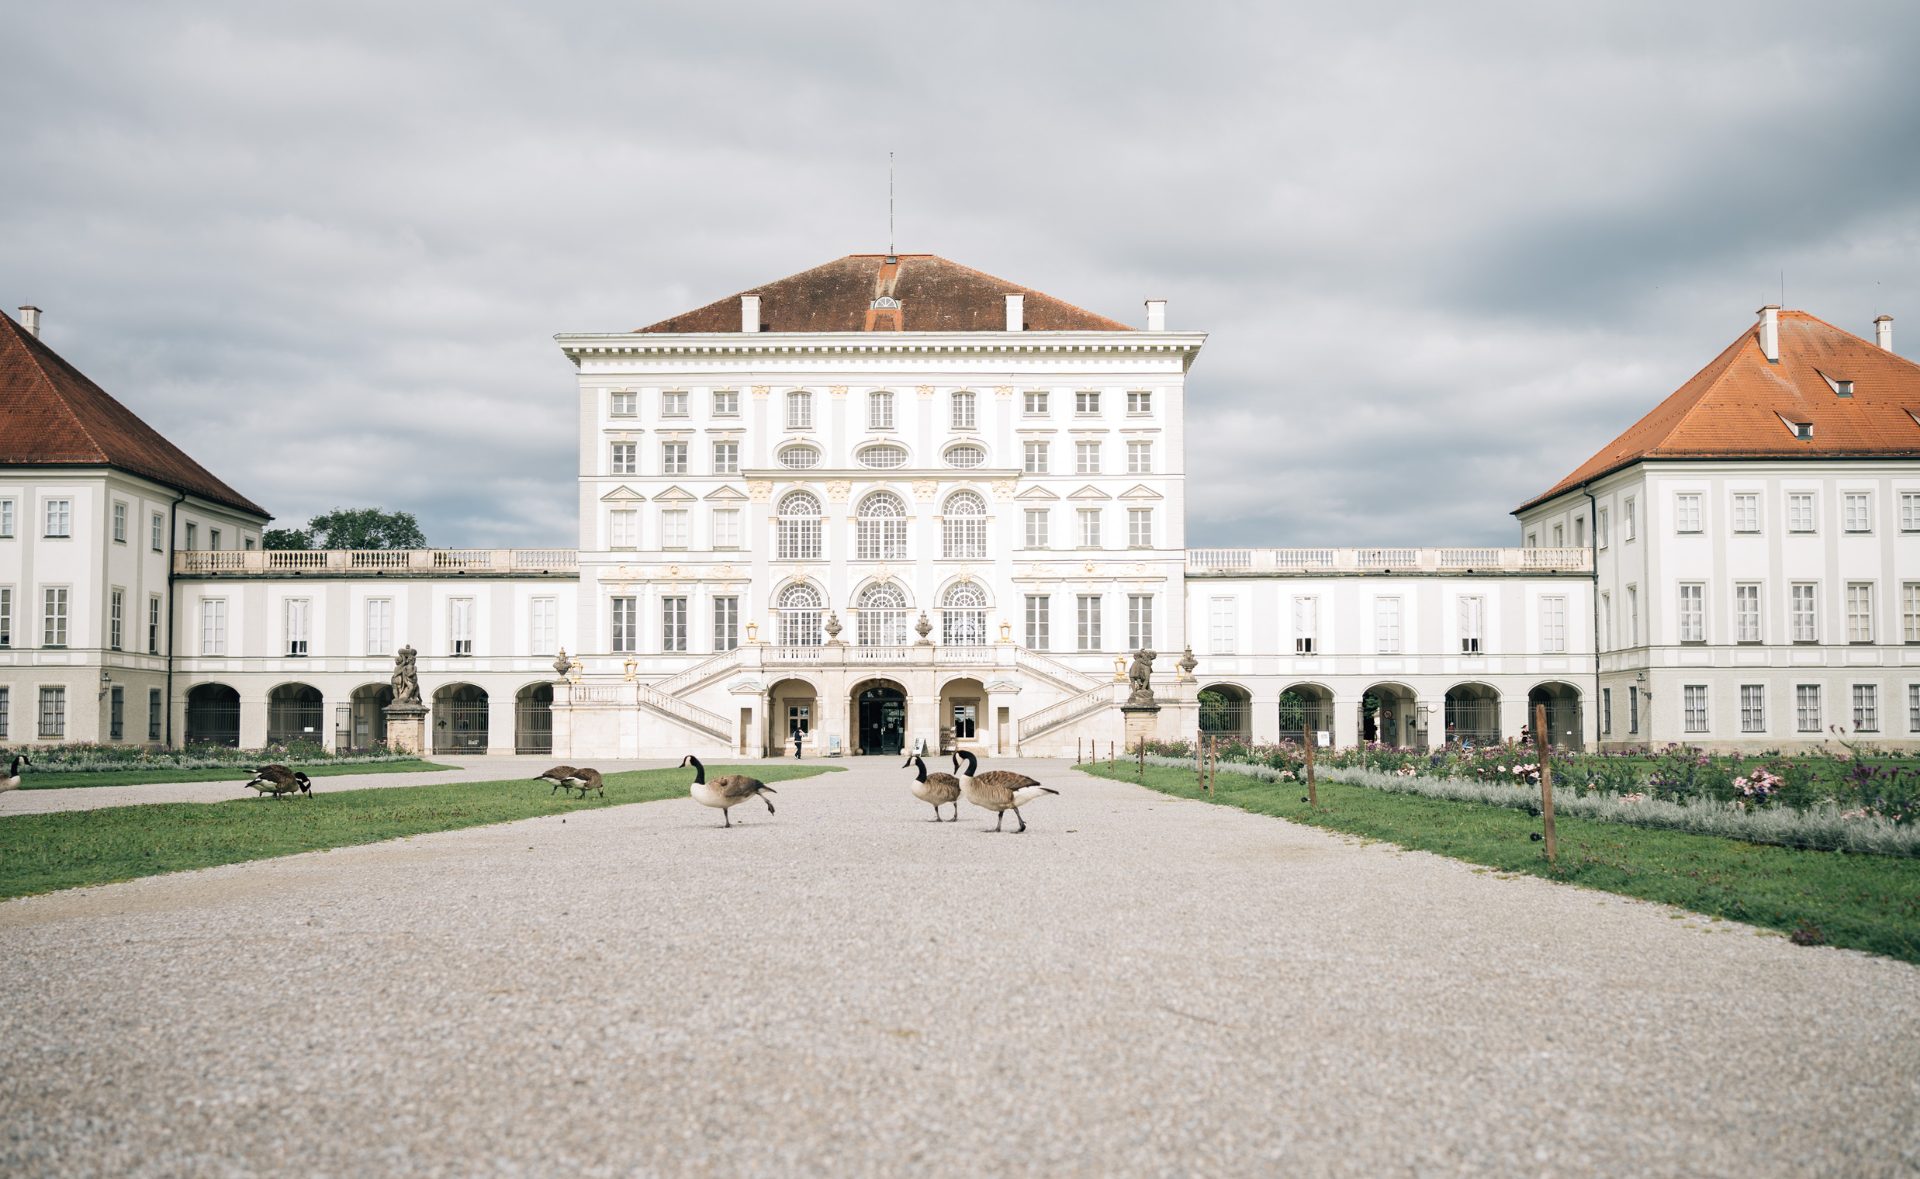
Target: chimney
[749, 313]
[30, 319]
[1156, 315]
[1016, 313]
[1882, 332]
[1770, 332]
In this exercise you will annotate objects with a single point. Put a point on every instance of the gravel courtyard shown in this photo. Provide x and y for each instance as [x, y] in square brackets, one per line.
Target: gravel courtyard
[1138, 985]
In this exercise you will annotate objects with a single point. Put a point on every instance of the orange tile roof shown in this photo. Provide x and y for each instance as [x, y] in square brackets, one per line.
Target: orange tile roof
[52, 415]
[934, 295]
[1738, 406]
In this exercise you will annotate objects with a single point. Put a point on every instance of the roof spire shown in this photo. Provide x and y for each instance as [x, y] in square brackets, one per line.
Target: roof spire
[892, 257]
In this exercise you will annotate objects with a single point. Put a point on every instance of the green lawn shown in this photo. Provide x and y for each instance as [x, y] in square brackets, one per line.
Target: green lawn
[29, 780]
[1864, 902]
[68, 849]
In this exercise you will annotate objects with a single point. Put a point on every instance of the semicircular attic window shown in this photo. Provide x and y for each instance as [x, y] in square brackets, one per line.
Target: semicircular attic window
[967, 455]
[799, 458]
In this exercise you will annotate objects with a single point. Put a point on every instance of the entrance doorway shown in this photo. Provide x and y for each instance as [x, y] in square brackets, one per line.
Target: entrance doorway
[883, 719]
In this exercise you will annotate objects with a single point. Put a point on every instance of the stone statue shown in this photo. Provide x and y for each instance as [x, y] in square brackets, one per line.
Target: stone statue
[406, 679]
[1140, 676]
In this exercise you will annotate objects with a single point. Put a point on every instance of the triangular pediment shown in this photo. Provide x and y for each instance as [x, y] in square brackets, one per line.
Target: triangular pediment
[726, 495]
[675, 495]
[623, 494]
[1140, 491]
[1036, 493]
[1089, 492]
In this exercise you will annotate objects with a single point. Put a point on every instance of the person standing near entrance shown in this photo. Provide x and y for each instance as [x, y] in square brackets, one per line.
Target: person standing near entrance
[797, 735]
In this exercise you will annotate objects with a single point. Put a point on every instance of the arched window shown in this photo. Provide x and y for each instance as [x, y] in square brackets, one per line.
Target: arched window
[799, 409]
[880, 410]
[799, 458]
[963, 529]
[799, 535]
[966, 455]
[963, 620]
[963, 416]
[886, 456]
[882, 524]
[799, 607]
[883, 616]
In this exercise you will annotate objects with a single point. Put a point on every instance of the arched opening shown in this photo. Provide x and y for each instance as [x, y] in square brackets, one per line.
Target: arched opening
[791, 708]
[367, 716]
[963, 527]
[213, 715]
[963, 615]
[882, 616]
[1473, 715]
[1565, 726]
[880, 524]
[1226, 710]
[800, 609]
[963, 716]
[797, 534]
[533, 719]
[880, 717]
[1305, 708]
[295, 713]
[1390, 714]
[460, 719]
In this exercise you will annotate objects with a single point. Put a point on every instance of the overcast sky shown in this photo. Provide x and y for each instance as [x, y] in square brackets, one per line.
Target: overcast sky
[1445, 251]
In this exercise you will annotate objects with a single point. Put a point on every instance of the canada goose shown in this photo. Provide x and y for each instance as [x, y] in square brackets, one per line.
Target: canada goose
[12, 780]
[935, 789]
[1000, 791]
[727, 792]
[585, 779]
[558, 775]
[278, 780]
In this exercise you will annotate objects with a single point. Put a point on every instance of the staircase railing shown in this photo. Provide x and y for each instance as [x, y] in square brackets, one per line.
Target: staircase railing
[700, 673]
[692, 715]
[1066, 711]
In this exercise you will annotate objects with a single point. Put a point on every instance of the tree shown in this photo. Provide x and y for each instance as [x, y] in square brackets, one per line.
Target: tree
[351, 528]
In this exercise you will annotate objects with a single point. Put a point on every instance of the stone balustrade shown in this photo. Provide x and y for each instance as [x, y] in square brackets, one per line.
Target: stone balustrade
[375, 562]
[1311, 561]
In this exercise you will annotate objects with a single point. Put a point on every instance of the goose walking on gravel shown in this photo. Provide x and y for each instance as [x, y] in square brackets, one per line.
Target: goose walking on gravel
[935, 789]
[558, 775]
[725, 793]
[586, 780]
[1000, 791]
[278, 780]
[12, 780]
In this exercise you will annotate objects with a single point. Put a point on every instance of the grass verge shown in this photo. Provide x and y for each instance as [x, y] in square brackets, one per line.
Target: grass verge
[32, 781]
[1864, 902]
[70, 849]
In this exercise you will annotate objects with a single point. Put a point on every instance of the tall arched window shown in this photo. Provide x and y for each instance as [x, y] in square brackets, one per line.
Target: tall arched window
[799, 535]
[880, 410]
[963, 529]
[882, 524]
[883, 616]
[963, 621]
[799, 607]
[799, 409]
[963, 416]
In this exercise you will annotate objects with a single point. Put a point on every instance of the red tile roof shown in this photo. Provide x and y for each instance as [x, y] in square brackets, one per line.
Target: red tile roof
[52, 415]
[1739, 405]
[934, 295]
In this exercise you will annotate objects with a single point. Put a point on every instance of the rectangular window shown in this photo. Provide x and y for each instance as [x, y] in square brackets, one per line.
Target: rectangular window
[1088, 606]
[1633, 616]
[799, 410]
[1627, 510]
[1801, 612]
[59, 517]
[1693, 612]
[1859, 612]
[962, 407]
[673, 528]
[625, 458]
[153, 714]
[1600, 529]
[1086, 458]
[673, 624]
[1806, 708]
[6, 616]
[1223, 617]
[1866, 708]
[153, 624]
[53, 712]
[1086, 403]
[1913, 708]
[298, 613]
[1386, 626]
[1693, 705]
[193, 536]
[1686, 512]
[1606, 711]
[1037, 527]
[1035, 403]
[119, 523]
[53, 616]
[1139, 621]
[726, 528]
[1140, 402]
[1909, 512]
[1559, 536]
[1039, 620]
[213, 626]
[543, 627]
[379, 626]
[1034, 458]
[1800, 511]
[1306, 625]
[880, 410]
[116, 618]
[1746, 511]
[625, 530]
[1139, 458]
[1139, 529]
[1633, 709]
[726, 458]
[213, 539]
[1753, 708]
[623, 403]
[1909, 612]
[673, 458]
[673, 403]
[157, 526]
[6, 519]
[460, 625]
[6, 712]
[116, 713]
[726, 403]
[1089, 528]
[1856, 512]
[626, 624]
[1553, 625]
[1472, 618]
[726, 623]
[1746, 613]
[1579, 532]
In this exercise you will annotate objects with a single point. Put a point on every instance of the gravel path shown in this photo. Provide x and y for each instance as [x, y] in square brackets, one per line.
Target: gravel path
[1139, 985]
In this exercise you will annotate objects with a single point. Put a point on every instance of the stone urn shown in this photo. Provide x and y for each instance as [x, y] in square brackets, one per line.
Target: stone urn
[833, 627]
[923, 628]
[1187, 663]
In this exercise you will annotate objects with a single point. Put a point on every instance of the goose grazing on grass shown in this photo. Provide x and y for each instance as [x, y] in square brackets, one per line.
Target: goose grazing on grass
[1000, 791]
[558, 775]
[725, 793]
[12, 780]
[936, 790]
[585, 780]
[278, 780]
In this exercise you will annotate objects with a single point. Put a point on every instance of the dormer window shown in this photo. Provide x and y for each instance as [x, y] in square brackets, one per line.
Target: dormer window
[1801, 430]
[1840, 388]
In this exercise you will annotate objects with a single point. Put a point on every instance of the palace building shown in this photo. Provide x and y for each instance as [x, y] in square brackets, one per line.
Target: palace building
[892, 500]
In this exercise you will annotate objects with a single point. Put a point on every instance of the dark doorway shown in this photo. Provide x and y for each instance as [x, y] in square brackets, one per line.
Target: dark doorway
[883, 720]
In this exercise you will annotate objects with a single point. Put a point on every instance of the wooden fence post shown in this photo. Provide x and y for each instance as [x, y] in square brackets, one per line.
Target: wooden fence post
[1543, 741]
[1143, 761]
[1313, 795]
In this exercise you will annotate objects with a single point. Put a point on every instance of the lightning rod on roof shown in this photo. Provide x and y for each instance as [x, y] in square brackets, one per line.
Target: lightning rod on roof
[891, 256]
